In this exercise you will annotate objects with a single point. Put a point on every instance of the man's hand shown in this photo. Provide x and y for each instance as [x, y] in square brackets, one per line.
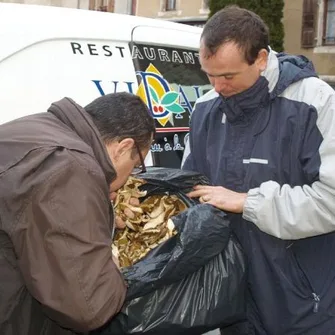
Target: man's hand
[219, 197]
[119, 223]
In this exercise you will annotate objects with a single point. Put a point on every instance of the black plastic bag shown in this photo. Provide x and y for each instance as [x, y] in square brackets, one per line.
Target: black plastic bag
[210, 298]
[190, 284]
[172, 181]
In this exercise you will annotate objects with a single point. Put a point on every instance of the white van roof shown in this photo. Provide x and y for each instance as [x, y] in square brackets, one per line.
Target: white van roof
[24, 25]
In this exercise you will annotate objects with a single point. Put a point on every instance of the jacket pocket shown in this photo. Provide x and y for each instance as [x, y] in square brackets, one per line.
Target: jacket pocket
[315, 262]
[306, 286]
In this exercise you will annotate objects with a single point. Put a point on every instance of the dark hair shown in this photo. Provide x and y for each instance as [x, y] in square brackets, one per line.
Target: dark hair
[122, 115]
[238, 25]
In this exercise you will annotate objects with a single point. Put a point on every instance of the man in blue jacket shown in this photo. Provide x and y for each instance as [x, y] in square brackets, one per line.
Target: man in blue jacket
[265, 136]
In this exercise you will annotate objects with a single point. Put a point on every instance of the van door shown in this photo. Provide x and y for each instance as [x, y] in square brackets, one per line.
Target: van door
[170, 81]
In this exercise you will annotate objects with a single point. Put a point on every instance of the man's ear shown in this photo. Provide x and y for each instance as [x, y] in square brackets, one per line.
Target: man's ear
[262, 59]
[117, 149]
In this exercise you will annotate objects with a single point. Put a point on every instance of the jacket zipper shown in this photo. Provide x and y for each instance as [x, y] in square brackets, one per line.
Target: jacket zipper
[315, 296]
[316, 302]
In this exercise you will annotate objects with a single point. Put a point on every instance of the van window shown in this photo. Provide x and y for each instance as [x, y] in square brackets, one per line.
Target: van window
[170, 81]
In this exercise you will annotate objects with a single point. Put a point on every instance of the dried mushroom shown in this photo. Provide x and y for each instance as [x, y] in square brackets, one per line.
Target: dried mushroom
[147, 225]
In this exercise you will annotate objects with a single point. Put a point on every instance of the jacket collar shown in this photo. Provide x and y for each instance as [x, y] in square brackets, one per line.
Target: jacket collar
[241, 107]
[75, 117]
[272, 71]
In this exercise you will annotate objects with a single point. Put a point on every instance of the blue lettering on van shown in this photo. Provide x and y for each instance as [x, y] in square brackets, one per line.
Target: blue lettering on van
[118, 86]
[115, 85]
[184, 102]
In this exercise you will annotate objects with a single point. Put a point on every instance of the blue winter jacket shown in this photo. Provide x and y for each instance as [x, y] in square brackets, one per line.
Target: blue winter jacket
[276, 141]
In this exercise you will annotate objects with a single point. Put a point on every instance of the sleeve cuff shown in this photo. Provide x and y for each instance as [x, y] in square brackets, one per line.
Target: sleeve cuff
[250, 205]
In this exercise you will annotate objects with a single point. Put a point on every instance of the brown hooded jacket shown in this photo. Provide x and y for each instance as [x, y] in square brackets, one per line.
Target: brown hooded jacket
[56, 223]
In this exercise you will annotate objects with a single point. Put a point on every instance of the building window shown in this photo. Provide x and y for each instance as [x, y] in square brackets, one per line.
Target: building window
[102, 5]
[170, 5]
[102, 9]
[329, 22]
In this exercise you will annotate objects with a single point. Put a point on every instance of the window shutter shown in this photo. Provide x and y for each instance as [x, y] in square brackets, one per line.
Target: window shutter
[308, 24]
[133, 7]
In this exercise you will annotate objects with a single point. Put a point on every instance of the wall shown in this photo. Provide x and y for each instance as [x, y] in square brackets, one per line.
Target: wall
[186, 10]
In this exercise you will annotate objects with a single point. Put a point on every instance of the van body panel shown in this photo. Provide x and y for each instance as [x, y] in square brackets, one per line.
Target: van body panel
[167, 36]
[58, 72]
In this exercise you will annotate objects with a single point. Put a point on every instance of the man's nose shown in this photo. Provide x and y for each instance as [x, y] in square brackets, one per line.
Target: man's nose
[219, 84]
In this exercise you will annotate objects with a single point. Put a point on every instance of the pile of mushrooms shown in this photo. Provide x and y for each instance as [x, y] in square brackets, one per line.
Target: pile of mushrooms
[147, 225]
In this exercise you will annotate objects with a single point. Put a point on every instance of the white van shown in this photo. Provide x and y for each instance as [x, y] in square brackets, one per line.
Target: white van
[47, 53]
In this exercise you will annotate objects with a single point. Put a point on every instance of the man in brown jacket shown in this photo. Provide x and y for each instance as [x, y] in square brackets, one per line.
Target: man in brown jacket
[57, 170]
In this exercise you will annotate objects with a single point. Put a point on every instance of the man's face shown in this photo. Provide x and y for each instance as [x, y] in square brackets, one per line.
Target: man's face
[125, 159]
[228, 71]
